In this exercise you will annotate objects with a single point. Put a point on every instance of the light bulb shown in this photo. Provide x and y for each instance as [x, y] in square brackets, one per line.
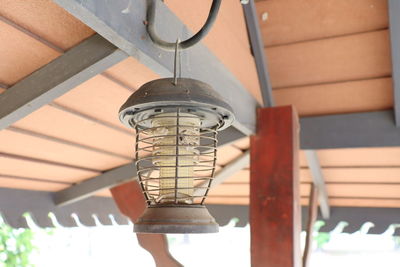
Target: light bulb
[168, 129]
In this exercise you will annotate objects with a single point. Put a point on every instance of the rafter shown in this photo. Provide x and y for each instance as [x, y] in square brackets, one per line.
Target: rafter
[77, 65]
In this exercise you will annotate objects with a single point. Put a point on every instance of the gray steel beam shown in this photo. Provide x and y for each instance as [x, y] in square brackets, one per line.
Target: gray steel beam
[257, 46]
[319, 182]
[123, 24]
[77, 65]
[260, 58]
[91, 186]
[119, 176]
[394, 27]
[366, 129]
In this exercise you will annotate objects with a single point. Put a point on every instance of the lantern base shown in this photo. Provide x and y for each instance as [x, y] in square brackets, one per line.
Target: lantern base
[176, 220]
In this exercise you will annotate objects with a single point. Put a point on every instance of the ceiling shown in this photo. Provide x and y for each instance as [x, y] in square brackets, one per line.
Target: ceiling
[324, 57]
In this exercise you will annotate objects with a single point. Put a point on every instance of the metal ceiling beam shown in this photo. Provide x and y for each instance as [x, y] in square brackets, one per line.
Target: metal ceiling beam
[257, 46]
[91, 186]
[64, 73]
[260, 58]
[365, 129]
[123, 24]
[319, 181]
[394, 27]
[119, 176]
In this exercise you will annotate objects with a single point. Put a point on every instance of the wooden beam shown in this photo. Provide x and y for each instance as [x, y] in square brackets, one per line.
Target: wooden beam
[274, 189]
[131, 203]
[64, 73]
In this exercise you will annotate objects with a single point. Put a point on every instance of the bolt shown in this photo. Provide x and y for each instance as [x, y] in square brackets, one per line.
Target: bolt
[264, 16]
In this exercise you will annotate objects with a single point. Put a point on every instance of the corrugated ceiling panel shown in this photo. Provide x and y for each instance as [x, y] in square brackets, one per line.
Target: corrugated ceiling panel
[334, 98]
[354, 57]
[289, 21]
[14, 142]
[47, 20]
[54, 122]
[99, 98]
[11, 182]
[21, 54]
[32, 169]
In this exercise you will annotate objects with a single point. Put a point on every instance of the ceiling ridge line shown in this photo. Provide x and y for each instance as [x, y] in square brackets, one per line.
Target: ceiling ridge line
[65, 142]
[332, 82]
[32, 35]
[33, 179]
[84, 116]
[58, 49]
[325, 38]
[62, 51]
[88, 117]
[117, 81]
[356, 167]
[43, 161]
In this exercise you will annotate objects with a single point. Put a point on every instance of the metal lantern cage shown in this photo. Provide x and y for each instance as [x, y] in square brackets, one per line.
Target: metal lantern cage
[176, 123]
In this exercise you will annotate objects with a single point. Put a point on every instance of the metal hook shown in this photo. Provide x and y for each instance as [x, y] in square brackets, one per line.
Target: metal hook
[151, 10]
[177, 59]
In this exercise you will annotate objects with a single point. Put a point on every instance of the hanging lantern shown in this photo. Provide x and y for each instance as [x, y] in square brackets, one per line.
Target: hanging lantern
[176, 123]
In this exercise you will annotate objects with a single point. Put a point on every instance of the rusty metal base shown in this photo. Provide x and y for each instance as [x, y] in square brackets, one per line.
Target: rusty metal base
[176, 220]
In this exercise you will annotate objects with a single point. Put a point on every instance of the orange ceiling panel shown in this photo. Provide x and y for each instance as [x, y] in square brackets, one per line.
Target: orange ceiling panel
[226, 154]
[354, 57]
[334, 98]
[29, 184]
[379, 156]
[389, 175]
[98, 97]
[47, 20]
[51, 121]
[21, 54]
[16, 143]
[35, 169]
[131, 73]
[288, 21]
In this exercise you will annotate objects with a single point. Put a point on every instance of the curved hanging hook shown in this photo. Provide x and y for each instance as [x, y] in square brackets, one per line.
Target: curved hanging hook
[151, 10]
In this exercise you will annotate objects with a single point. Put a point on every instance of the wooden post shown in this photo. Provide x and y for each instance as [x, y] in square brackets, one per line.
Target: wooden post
[131, 203]
[274, 189]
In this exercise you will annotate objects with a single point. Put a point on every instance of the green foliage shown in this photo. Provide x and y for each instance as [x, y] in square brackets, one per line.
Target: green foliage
[15, 246]
[320, 237]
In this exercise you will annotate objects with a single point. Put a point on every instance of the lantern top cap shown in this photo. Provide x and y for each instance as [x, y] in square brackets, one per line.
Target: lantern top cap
[194, 95]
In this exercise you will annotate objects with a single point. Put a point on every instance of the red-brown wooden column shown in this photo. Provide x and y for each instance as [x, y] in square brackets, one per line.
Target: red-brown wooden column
[274, 189]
